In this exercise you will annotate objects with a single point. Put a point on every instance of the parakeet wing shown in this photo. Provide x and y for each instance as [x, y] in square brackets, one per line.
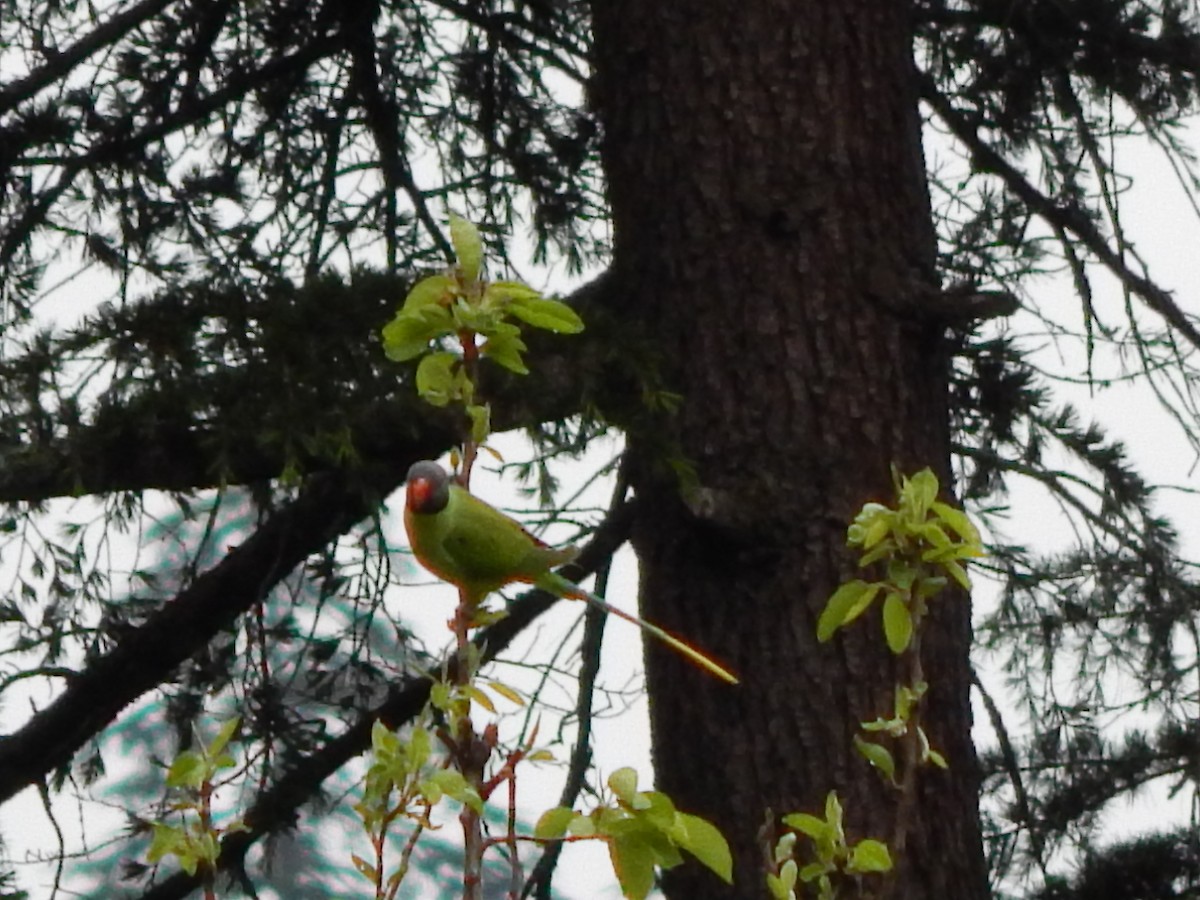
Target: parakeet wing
[488, 549]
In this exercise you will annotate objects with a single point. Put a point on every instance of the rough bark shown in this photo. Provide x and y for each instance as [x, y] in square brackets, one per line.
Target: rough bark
[772, 231]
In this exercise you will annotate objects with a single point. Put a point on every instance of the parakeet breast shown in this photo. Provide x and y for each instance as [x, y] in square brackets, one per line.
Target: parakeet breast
[477, 547]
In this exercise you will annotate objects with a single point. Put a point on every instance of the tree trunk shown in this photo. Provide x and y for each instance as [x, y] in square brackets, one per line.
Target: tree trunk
[773, 237]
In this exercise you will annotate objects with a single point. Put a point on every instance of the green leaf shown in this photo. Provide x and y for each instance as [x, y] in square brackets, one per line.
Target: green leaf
[224, 761]
[582, 826]
[930, 586]
[508, 693]
[167, 839]
[364, 868]
[897, 623]
[454, 785]
[548, 314]
[833, 814]
[439, 697]
[656, 840]
[813, 871]
[937, 759]
[479, 697]
[815, 828]
[869, 513]
[188, 860]
[902, 574]
[785, 846]
[633, 863]
[921, 490]
[188, 770]
[847, 603]
[895, 727]
[958, 573]
[504, 292]
[906, 698]
[450, 781]
[224, 736]
[778, 891]
[870, 856]
[788, 873]
[878, 528]
[552, 824]
[435, 378]
[623, 783]
[408, 335]
[704, 841]
[879, 551]
[863, 603]
[933, 533]
[657, 808]
[959, 523]
[878, 756]
[505, 350]
[471, 317]
[431, 291]
[417, 750]
[207, 848]
[467, 247]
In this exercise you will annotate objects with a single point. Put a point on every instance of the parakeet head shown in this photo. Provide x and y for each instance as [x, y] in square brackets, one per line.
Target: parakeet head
[428, 488]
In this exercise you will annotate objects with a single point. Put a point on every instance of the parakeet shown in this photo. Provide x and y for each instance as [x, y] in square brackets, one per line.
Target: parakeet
[477, 548]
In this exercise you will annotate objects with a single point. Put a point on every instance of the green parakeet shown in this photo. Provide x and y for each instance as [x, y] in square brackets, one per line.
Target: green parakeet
[479, 549]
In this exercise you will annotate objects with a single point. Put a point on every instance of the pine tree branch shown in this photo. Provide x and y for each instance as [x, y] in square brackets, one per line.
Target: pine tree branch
[987, 159]
[132, 450]
[1012, 768]
[590, 645]
[1173, 50]
[328, 507]
[62, 63]
[384, 123]
[170, 455]
[124, 145]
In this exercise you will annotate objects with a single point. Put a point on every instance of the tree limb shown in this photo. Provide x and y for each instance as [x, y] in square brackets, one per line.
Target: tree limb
[329, 506]
[169, 451]
[61, 64]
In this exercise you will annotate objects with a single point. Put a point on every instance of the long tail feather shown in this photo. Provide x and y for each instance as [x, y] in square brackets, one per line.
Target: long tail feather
[555, 583]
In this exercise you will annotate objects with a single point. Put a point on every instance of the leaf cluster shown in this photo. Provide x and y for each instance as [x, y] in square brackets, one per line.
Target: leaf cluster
[919, 537]
[644, 831]
[461, 304]
[256, 96]
[196, 843]
[832, 854]
[402, 774]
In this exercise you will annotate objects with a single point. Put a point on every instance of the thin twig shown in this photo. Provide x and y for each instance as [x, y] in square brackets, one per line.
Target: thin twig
[1012, 766]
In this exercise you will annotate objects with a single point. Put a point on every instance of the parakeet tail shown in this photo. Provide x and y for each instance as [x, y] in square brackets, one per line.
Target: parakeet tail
[556, 584]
